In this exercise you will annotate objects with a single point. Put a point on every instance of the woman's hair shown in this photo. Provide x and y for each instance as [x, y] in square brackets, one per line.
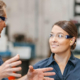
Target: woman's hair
[2, 11]
[70, 28]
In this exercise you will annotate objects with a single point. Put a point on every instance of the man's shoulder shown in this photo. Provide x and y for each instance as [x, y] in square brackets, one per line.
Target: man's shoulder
[41, 64]
[1, 61]
[5, 79]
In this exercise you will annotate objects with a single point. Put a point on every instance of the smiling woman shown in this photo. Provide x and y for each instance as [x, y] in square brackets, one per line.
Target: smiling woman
[70, 28]
[62, 40]
[66, 34]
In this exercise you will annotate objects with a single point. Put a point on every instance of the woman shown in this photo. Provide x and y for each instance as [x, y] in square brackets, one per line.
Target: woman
[62, 40]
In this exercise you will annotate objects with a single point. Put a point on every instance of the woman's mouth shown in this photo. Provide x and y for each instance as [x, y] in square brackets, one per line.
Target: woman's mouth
[54, 46]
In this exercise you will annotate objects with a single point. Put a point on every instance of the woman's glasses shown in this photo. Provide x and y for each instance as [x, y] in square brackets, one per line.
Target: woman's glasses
[60, 36]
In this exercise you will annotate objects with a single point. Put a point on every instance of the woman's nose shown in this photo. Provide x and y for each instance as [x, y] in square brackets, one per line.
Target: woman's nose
[54, 38]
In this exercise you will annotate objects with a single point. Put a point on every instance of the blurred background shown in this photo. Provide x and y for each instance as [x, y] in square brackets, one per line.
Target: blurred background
[29, 23]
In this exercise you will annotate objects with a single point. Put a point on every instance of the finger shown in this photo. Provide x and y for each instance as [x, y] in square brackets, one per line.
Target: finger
[14, 69]
[31, 68]
[47, 78]
[46, 69]
[15, 58]
[15, 74]
[49, 73]
[15, 63]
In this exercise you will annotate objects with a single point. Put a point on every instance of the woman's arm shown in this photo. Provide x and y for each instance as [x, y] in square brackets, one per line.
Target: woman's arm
[38, 74]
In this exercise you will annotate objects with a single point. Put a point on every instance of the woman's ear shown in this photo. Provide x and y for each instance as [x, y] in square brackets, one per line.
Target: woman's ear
[72, 41]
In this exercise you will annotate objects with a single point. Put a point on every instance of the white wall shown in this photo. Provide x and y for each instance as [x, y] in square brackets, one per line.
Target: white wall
[35, 20]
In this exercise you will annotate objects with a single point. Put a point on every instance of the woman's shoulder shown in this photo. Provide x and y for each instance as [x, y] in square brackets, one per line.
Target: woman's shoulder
[41, 63]
[77, 61]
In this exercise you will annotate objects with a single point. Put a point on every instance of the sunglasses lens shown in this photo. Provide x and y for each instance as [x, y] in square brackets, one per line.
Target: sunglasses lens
[3, 18]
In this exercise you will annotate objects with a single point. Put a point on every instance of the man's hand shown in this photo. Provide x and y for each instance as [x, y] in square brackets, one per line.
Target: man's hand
[39, 74]
[8, 67]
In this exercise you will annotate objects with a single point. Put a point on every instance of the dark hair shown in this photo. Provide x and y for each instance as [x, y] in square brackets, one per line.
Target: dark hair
[70, 28]
[2, 12]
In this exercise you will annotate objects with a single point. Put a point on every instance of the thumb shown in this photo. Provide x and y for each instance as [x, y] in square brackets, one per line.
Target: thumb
[31, 68]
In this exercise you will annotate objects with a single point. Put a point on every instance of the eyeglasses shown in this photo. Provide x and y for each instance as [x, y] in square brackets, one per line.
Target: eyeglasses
[2, 18]
[60, 36]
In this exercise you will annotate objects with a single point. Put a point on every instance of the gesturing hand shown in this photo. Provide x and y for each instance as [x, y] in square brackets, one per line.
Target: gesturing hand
[7, 68]
[39, 74]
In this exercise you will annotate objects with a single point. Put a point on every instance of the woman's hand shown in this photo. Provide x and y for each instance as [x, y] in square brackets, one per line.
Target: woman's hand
[39, 74]
[8, 67]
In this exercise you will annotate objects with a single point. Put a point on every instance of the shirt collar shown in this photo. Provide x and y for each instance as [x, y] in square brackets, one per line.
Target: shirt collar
[72, 59]
[51, 59]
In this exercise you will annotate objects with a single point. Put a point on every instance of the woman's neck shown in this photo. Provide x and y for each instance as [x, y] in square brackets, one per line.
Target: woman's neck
[62, 57]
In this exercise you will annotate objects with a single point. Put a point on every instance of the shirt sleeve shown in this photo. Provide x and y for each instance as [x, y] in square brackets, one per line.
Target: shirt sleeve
[5, 79]
[40, 64]
[36, 66]
[1, 62]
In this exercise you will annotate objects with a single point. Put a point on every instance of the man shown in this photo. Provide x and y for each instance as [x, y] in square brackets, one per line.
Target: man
[6, 68]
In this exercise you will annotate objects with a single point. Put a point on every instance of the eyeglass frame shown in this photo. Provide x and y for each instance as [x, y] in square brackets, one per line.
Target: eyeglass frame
[2, 18]
[66, 36]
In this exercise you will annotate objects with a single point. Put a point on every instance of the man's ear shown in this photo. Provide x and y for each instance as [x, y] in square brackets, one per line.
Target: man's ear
[72, 41]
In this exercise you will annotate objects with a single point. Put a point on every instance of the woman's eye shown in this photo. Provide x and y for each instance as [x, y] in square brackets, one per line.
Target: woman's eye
[51, 35]
[60, 35]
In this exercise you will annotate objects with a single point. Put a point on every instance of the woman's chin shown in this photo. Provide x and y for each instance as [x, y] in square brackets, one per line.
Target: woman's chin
[53, 51]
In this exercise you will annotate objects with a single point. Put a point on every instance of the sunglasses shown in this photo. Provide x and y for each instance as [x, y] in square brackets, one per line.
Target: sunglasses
[2, 18]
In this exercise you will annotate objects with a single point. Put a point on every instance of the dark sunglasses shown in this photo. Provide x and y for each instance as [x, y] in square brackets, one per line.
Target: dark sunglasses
[2, 18]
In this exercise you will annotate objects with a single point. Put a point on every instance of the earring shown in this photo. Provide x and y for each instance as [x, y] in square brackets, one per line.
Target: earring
[71, 41]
